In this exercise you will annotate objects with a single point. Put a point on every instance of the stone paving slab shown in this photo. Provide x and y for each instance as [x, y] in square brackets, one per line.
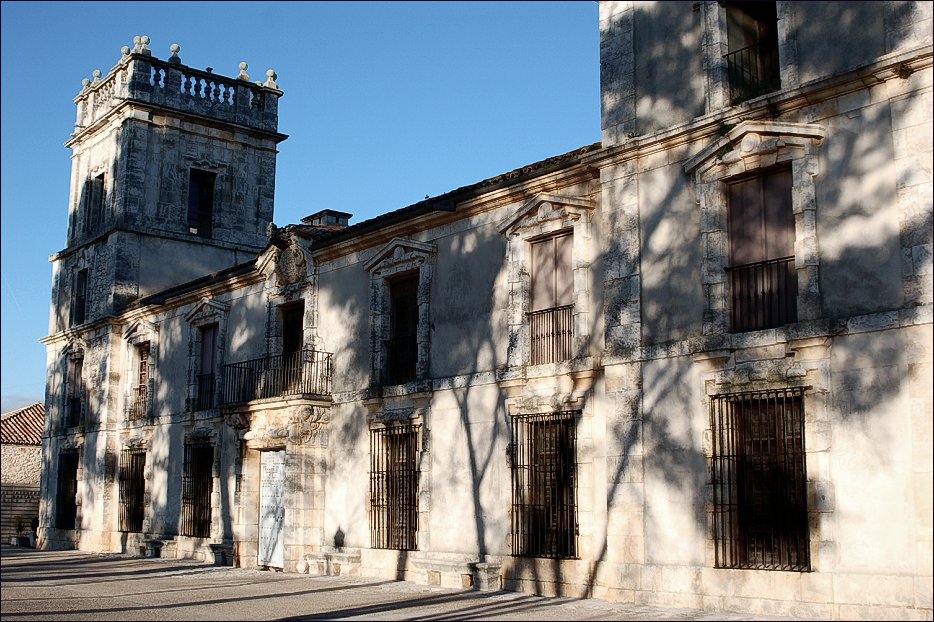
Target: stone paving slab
[70, 585]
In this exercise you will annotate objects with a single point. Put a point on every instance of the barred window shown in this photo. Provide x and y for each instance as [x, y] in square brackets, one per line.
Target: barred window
[550, 320]
[132, 489]
[394, 487]
[544, 497]
[197, 485]
[74, 393]
[140, 404]
[759, 481]
[66, 507]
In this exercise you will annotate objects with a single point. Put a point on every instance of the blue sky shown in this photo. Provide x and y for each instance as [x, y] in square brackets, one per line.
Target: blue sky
[384, 104]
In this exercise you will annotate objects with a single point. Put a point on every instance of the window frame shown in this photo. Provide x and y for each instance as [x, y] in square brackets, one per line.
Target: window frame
[80, 298]
[132, 490]
[544, 519]
[66, 494]
[201, 191]
[743, 518]
[394, 486]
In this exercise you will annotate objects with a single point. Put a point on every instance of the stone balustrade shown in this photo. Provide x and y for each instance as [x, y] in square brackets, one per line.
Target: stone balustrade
[140, 77]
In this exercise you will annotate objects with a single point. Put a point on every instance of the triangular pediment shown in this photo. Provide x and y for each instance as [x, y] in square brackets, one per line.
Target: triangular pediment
[399, 250]
[543, 208]
[207, 307]
[751, 138]
[140, 329]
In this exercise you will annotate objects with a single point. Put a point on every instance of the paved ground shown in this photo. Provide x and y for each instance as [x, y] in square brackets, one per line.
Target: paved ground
[67, 585]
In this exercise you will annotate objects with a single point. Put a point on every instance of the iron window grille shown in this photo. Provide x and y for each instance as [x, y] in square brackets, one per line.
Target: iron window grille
[66, 506]
[132, 489]
[759, 481]
[140, 406]
[394, 487]
[197, 486]
[544, 485]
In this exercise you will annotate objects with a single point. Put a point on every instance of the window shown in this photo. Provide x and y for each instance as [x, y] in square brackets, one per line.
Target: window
[132, 489]
[752, 43]
[763, 281]
[200, 202]
[402, 345]
[759, 481]
[197, 485]
[293, 322]
[552, 308]
[95, 203]
[66, 506]
[140, 405]
[544, 501]
[204, 399]
[79, 304]
[394, 487]
[74, 393]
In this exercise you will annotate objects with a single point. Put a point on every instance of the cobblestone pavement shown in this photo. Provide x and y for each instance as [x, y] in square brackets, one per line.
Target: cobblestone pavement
[69, 585]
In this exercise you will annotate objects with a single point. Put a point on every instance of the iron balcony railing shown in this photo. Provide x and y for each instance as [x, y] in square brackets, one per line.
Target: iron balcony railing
[751, 72]
[401, 357]
[205, 396]
[763, 294]
[306, 372]
[140, 405]
[551, 334]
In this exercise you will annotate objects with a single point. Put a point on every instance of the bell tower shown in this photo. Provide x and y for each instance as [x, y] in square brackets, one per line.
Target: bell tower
[173, 178]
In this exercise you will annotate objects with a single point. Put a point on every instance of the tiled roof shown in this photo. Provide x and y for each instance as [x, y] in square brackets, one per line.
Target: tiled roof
[23, 426]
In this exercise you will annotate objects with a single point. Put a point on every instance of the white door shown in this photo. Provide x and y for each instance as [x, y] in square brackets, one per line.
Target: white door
[271, 508]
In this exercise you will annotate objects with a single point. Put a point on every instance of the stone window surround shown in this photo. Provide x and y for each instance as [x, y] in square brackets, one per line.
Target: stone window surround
[207, 434]
[288, 282]
[140, 332]
[205, 313]
[749, 147]
[75, 350]
[398, 257]
[716, 46]
[417, 417]
[543, 215]
[802, 363]
[142, 444]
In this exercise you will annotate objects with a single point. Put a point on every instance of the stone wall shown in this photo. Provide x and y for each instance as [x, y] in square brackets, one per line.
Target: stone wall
[22, 464]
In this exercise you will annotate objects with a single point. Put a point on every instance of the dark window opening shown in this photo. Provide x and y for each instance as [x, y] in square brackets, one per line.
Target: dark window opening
[205, 382]
[394, 487]
[293, 325]
[544, 498]
[132, 489]
[197, 485]
[140, 405]
[200, 202]
[95, 203]
[551, 316]
[752, 43]
[74, 393]
[66, 505]
[759, 481]
[402, 345]
[763, 280]
[79, 304]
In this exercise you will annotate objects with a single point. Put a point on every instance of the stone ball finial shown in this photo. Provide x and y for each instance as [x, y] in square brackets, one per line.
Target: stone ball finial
[144, 39]
[243, 74]
[125, 50]
[85, 83]
[271, 79]
[175, 48]
[97, 75]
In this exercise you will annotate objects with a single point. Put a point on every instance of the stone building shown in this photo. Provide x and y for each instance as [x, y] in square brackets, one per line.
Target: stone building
[20, 466]
[693, 368]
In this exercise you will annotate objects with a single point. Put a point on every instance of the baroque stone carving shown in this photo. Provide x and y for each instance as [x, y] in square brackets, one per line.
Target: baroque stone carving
[291, 267]
[307, 424]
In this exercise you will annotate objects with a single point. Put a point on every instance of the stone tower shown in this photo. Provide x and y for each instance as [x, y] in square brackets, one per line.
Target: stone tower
[173, 178]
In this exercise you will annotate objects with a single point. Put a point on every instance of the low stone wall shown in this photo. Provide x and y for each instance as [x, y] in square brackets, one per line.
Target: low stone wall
[17, 501]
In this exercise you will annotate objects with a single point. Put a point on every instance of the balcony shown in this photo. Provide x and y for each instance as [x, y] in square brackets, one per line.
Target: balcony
[752, 71]
[139, 407]
[299, 374]
[763, 295]
[551, 334]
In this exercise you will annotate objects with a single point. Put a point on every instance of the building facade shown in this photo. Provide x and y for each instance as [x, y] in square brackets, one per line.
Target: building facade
[688, 365]
[20, 466]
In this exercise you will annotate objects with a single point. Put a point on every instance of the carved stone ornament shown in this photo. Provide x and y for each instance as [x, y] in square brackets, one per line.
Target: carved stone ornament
[291, 267]
[237, 420]
[306, 425]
